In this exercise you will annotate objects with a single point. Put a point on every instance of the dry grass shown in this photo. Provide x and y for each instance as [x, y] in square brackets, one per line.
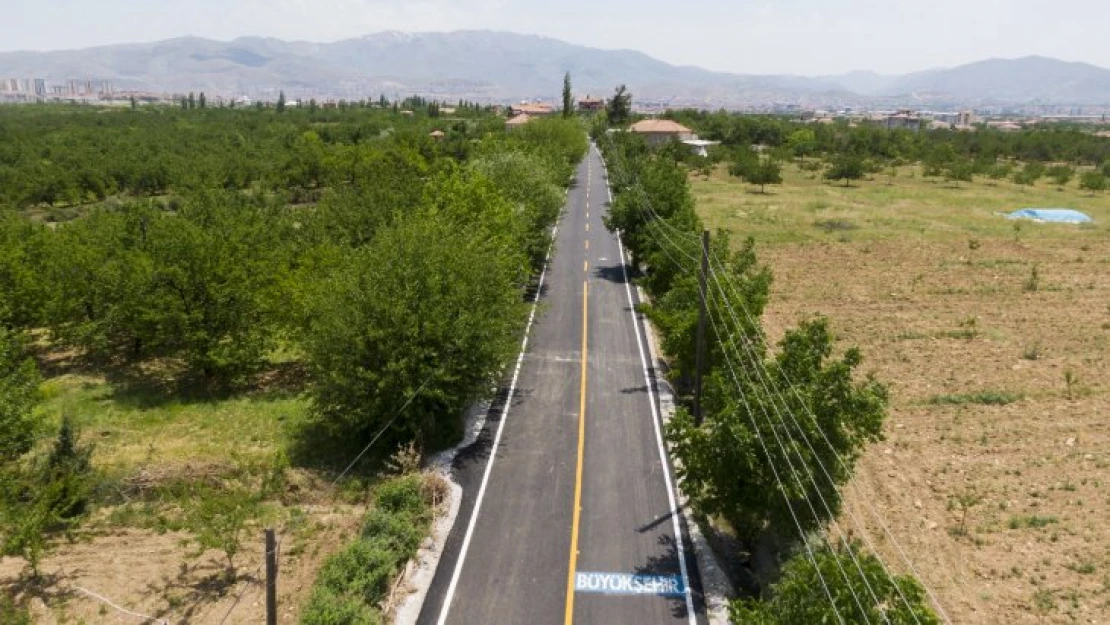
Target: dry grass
[156, 449]
[940, 294]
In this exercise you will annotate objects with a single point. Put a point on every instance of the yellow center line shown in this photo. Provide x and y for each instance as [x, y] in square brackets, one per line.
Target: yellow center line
[587, 226]
[585, 265]
[578, 474]
[587, 244]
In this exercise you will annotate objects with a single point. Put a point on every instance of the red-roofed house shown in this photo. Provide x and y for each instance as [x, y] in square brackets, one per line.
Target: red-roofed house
[660, 131]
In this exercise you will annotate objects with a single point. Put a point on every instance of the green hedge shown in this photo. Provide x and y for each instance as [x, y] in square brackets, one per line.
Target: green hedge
[353, 582]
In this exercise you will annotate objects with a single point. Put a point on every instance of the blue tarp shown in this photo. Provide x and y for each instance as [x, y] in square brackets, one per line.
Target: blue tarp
[1056, 215]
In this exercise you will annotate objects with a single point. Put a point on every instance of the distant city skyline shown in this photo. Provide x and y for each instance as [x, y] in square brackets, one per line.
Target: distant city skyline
[802, 37]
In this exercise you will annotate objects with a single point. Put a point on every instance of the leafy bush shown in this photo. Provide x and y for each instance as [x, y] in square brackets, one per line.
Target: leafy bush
[51, 496]
[799, 597]
[12, 613]
[985, 398]
[354, 581]
[19, 382]
[325, 607]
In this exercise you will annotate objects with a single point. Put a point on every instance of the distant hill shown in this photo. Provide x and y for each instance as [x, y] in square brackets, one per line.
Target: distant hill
[1031, 79]
[499, 66]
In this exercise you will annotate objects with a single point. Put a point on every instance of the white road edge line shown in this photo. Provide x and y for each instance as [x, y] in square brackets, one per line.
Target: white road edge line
[693, 617]
[446, 607]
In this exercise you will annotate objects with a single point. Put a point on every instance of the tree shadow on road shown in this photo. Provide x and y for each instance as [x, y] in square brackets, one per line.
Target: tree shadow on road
[667, 563]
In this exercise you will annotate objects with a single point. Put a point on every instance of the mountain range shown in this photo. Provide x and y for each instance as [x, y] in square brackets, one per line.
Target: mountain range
[500, 66]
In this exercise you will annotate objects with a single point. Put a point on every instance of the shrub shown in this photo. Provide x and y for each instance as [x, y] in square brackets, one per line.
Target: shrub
[357, 579]
[984, 398]
[325, 607]
[799, 598]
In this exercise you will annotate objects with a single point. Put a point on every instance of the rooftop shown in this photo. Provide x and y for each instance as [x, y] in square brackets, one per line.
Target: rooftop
[659, 126]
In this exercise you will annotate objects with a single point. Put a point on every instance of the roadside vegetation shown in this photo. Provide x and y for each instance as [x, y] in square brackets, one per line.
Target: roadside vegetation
[205, 315]
[774, 485]
[990, 335]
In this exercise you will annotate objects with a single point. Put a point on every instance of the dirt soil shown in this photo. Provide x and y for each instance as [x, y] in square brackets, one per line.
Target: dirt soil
[937, 319]
[159, 575]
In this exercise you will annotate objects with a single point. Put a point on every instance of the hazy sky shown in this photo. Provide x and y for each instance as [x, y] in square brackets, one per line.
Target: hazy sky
[807, 37]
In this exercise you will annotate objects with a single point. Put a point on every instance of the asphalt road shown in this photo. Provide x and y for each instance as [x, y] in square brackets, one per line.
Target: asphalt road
[580, 427]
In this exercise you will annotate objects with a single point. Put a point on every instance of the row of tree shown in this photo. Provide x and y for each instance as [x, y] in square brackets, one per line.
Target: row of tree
[775, 483]
[402, 286]
[69, 156]
[940, 161]
[792, 138]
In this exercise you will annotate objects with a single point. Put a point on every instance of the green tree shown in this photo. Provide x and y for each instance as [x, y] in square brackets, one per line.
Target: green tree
[853, 577]
[1093, 181]
[435, 298]
[958, 170]
[281, 102]
[51, 495]
[192, 101]
[802, 142]
[201, 100]
[568, 99]
[1030, 174]
[1061, 174]
[845, 167]
[619, 107]
[729, 464]
[766, 172]
[19, 382]
[744, 163]
[999, 171]
[134, 103]
[939, 160]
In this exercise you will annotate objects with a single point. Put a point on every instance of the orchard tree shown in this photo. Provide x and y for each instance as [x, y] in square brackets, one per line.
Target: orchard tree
[766, 172]
[433, 298]
[958, 170]
[846, 167]
[999, 171]
[802, 143]
[744, 163]
[1061, 174]
[1093, 181]
[19, 382]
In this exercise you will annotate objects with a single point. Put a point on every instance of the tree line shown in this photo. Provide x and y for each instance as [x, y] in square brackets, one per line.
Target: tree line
[745, 465]
[756, 146]
[59, 156]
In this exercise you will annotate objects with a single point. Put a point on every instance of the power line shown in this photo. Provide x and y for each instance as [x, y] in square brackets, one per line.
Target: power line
[778, 479]
[844, 466]
[808, 470]
[655, 218]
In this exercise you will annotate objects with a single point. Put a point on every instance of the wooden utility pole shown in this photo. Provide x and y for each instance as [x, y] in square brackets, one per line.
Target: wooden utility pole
[271, 578]
[699, 361]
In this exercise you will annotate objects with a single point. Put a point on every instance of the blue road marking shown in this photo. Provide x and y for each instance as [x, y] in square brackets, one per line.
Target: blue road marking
[628, 584]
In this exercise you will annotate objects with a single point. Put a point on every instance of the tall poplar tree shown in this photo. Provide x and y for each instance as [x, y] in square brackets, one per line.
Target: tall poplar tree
[568, 101]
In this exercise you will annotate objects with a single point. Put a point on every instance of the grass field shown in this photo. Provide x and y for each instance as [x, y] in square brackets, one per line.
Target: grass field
[994, 337]
[170, 463]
